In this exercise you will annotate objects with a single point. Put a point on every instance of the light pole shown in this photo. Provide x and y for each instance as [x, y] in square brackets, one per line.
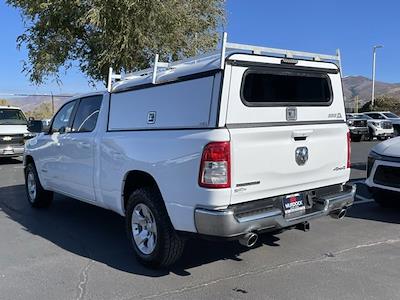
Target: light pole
[373, 72]
[52, 104]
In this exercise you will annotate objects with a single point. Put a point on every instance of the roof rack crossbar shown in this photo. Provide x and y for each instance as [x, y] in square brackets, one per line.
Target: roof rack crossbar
[285, 52]
[220, 55]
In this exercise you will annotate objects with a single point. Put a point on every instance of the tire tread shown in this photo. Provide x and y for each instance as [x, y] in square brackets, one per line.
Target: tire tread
[173, 245]
[44, 198]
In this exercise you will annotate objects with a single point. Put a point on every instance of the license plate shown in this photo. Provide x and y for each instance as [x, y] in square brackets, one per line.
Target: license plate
[293, 203]
[8, 151]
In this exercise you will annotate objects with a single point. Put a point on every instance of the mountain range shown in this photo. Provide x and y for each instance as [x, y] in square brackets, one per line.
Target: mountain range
[361, 86]
[30, 103]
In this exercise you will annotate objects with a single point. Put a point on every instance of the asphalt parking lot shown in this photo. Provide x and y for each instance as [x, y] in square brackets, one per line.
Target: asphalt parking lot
[76, 251]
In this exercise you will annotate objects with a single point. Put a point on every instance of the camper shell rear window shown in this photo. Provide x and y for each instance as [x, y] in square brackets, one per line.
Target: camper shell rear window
[286, 87]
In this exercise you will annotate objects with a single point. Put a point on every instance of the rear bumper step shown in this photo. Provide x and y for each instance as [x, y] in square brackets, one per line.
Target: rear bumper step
[224, 223]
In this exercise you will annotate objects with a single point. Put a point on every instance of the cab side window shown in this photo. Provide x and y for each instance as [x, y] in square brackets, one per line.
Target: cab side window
[87, 113]
[62, 119]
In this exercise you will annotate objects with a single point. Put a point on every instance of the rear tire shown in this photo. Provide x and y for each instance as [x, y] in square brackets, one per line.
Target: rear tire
[37, 196]
[150, 232]
[356, 138]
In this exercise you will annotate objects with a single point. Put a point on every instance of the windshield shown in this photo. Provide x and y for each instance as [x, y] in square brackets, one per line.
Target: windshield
[12, 117]
[391, 115]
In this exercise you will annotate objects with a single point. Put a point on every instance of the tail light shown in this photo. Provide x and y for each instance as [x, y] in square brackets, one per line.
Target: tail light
[348, 149]
[215, 167]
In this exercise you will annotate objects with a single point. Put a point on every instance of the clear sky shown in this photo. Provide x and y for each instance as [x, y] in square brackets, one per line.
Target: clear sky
[319, 26]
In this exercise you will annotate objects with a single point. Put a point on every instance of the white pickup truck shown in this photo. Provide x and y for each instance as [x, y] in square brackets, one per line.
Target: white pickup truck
[227, 146]
[13, 131]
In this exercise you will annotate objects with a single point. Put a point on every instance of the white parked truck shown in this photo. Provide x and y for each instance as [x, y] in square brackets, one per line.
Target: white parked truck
[388, 120]
[229, 145]
[13, 131]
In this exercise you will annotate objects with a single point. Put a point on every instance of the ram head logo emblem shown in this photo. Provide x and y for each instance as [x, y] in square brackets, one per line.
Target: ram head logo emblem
[301, 155]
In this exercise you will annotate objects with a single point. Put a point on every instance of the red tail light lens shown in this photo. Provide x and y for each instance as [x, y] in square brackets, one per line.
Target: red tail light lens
[348, 149]
[215, 167]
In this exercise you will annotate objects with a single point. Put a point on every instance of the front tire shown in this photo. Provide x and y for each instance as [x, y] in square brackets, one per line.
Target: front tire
[150, 232]
[37, 196]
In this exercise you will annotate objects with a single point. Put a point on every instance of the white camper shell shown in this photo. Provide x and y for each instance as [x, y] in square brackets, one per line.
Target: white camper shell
[207, 93]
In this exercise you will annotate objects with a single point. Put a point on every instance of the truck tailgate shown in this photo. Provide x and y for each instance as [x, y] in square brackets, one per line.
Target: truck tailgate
[287, 127]
[264, 160]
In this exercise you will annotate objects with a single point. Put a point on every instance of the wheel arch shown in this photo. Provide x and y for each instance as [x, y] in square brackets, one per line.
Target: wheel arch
[134, 180]
[28, 159]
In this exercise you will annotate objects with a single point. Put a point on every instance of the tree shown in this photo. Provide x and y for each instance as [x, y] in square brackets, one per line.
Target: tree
[3, 102]
[383, 103]
[124, 34]
[42, 111]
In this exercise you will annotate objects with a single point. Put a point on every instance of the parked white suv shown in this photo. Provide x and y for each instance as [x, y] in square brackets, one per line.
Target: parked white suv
[386, 115]
[379, 127]
[228, 146]
[13, 131]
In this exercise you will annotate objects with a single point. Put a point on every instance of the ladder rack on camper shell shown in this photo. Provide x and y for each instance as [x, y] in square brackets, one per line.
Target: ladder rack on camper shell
[220, 54]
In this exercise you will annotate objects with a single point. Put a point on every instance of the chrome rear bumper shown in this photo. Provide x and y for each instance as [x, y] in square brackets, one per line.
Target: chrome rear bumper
[224, 223]
[358, 130]
[11, 151]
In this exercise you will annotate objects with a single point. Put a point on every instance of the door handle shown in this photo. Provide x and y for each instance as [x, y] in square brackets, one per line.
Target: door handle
[116, 155]
[301, 135]
[84, 145]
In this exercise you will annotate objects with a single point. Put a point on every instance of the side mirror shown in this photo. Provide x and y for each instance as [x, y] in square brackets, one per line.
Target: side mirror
[46, 128]
[62, 130]
[35, 126]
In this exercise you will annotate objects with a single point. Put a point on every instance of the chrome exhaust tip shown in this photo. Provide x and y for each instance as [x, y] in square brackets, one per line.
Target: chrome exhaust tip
[249, 239]
[339, 214]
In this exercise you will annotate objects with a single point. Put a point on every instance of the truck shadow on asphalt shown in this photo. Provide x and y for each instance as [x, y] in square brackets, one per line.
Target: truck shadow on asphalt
[361, 166]
[99, 235]
[371, 210]
[374, 212]
[9, 161]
